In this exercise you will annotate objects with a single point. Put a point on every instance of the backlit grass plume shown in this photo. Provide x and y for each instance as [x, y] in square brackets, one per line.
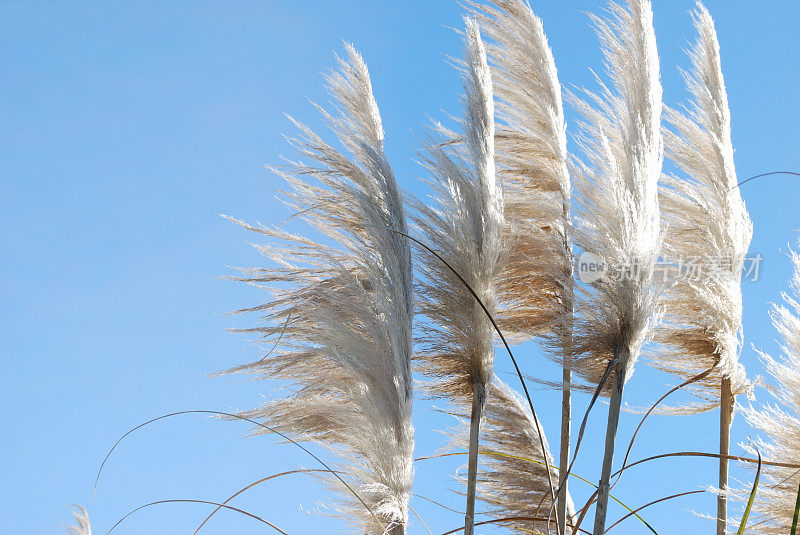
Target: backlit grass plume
[535, 283]
[513, 481]
[82, 527]
[342, 311]
[618, 209]
[706, 223]
[464, 226]
[781, 423]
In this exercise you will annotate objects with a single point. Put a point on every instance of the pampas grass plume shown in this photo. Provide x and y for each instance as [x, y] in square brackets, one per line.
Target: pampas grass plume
[535, 282]
[342, 311]
[706, 220]
[82, 527]
[618, 209]
[780, 423]
[464, 226]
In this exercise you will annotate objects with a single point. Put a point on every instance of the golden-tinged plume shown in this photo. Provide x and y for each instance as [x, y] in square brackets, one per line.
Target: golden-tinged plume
[464, 226]
[342, 311]
[617, 205]
[706, 223]
[781, 422]
[535, 282]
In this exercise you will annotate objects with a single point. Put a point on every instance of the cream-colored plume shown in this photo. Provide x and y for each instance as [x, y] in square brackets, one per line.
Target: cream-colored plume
[780, 422]
[514, 481]
[342, 311]
[618, 214]
[705, 222]
[535, 282]
[464, 226]
[82, 527]
[618, 221]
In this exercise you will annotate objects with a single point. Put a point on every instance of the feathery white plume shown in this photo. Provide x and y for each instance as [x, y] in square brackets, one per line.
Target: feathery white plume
[83, 526]
[535, 282]
[618, 191]
[464, 226]
[343, 312]
[781, 423]
[706, 220]
[618, 209]
[515, 482]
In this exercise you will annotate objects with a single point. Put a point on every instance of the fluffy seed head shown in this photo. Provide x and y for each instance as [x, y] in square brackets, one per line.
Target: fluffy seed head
[535, 280]
[780, 423]
[82, 527]
[463, 225]
[341, 311]
[617, 183]
[706, 222]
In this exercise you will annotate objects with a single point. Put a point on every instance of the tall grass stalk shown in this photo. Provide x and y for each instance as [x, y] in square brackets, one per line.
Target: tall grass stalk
[617, 182]
[464, 225]
[514, 480]
[535, 286]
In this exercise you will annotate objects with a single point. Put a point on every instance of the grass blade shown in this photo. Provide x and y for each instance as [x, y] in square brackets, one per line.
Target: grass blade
[234, 417]
[796, 513]
[571, 474]
[205, 502]
[654, 502]
[250, 486]
[752, 499]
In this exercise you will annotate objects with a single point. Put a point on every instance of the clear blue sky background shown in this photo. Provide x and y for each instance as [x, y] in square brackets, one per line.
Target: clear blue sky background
[129, 126]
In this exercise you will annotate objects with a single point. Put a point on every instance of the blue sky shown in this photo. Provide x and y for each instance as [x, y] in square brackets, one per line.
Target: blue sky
[129, 127]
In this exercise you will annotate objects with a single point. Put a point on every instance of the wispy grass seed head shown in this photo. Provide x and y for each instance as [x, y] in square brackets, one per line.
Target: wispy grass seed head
[617, 198]
[82, 527]
[463, 225]
[342, 310]
[535, 280]
[780, 423]
[705, 220]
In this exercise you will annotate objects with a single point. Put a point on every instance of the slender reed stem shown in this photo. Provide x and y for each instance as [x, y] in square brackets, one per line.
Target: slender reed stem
[725, 420]
[566, 392]
[478, 401]
[566, 428]
[600, 386]
[615, 404]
